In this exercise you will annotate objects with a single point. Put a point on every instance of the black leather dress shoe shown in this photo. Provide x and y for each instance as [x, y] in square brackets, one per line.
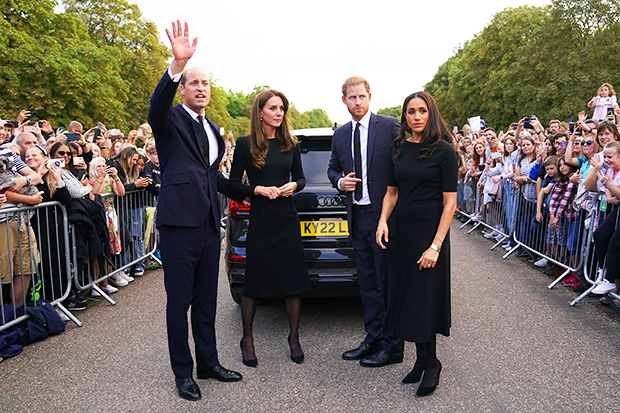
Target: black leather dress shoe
[382, 358]
[359, 353]
[187, 388]
[219, 373]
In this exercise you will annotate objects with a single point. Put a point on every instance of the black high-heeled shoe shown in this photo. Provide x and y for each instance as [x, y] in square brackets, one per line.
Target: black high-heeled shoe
[297, 359]
[425, 391]
[248, 362]
[414, 375]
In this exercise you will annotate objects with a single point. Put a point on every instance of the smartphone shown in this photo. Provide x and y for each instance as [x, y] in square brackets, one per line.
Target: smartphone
[4, 189]
[97, 133]
[495, 155]
[57, 162]
[69, 137]
[604, 168]
[526, 124]
[571, 127]
[610, 111]
[30, 129]
[77, 160]
[33, 123]
[33, 113]
[455, 129]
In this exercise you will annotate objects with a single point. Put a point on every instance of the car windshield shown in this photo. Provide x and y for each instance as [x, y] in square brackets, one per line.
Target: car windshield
[315, 154]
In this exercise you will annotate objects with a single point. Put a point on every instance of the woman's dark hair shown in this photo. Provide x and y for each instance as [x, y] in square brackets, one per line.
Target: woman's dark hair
[559, 176]
[259, 145]
[603, 126]
[54, 149]
[435, 132]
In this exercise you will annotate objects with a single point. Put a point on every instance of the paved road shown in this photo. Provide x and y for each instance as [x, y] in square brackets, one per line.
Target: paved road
[515, 346]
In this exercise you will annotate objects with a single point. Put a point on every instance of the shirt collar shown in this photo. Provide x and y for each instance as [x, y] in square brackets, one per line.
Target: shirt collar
[193, 114]
[365, 121]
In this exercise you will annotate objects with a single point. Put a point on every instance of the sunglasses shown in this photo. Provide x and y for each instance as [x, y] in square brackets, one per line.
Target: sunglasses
[584, 143]
[63, 153]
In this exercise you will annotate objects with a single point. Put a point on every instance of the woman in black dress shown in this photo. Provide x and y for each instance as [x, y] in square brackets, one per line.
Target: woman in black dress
[422, 194]
[275, 262]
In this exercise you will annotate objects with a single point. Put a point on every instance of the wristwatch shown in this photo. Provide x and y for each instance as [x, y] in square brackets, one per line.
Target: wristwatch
[436, 248]
[28, 180]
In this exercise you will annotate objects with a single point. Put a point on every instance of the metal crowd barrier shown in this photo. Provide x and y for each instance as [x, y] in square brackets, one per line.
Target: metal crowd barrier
[135, 217]
[564, 249]
[50, 245]
[43, 255]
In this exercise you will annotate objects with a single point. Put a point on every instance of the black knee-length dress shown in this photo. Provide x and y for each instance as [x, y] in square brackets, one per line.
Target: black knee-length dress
[420, 305]
[275, 261]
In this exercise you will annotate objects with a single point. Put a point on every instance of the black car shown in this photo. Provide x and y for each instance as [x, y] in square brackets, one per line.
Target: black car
[323, 225]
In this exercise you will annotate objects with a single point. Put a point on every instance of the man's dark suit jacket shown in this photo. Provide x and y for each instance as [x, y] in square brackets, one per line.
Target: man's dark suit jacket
[381, 133]
[189, 185]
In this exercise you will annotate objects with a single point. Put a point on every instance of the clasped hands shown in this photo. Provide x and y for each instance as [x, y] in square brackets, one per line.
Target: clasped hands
[273, 192]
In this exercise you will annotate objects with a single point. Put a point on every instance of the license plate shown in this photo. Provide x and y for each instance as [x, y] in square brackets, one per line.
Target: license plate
[324, 228]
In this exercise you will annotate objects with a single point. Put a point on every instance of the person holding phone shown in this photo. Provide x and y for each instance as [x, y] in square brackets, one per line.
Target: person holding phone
[607, 235]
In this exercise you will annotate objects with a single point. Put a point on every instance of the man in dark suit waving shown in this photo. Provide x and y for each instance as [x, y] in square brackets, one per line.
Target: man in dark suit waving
[359, 165]
[188, 215]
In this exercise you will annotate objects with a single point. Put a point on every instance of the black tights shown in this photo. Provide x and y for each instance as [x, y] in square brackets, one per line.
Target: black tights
[248, 309]
[427, 359]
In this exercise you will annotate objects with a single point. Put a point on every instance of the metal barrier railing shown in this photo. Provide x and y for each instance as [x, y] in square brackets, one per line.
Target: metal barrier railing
[565, 245]
[36, 267]
[50, 255]
[135, 229]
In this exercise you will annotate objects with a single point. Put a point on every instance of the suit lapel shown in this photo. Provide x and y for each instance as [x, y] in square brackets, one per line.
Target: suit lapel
[373, 125]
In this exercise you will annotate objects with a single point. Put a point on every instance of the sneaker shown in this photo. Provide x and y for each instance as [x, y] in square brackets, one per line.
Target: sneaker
[94, 293]
[62, 315]
[126, 277]
[108, 289]
[570, 281]
[541, 263]
[77, 306]
[605, 300]
[138, 272]
[491, 234]
[604, 287]
[118, 280]
[499, 237]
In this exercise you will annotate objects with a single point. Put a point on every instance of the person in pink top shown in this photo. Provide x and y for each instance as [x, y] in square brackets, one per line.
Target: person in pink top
[605, 99]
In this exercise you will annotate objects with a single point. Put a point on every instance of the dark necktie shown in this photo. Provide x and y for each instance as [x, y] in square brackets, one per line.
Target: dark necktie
[205, 140]
[357, 159]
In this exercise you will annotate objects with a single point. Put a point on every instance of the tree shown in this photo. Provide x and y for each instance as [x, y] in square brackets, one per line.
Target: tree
[394, 111]
[317, 118]
[118, 25]
[58, 73]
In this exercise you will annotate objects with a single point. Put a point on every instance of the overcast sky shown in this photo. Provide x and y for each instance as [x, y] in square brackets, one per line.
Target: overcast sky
[307, 49]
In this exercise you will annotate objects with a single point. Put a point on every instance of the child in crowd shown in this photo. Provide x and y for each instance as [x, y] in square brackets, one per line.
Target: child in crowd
[604, 100]
[561, 214]
[543, 198]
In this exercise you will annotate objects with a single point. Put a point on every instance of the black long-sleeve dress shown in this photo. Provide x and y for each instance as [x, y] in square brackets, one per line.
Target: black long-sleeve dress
[275, 262]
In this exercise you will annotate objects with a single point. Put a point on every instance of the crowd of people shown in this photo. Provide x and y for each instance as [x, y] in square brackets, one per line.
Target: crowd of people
[89, 172]
[547, 186]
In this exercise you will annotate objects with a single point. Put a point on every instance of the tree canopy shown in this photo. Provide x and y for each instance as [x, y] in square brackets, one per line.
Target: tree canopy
[100, 60]
[547, 61]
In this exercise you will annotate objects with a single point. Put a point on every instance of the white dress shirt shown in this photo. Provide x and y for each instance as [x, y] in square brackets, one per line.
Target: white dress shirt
[364, 122]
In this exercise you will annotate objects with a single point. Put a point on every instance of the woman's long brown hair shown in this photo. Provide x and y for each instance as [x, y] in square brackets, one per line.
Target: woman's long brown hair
[259, 145]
